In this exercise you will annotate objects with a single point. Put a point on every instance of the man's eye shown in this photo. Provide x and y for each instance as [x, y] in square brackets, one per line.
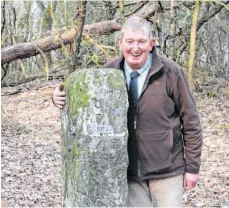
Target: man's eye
[142, 41]
[129, 41]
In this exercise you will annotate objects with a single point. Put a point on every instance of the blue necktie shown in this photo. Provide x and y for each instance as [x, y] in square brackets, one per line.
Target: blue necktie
[133, 96]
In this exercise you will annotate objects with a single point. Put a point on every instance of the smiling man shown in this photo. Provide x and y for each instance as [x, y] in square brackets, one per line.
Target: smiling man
[135, 47]
[165, 135]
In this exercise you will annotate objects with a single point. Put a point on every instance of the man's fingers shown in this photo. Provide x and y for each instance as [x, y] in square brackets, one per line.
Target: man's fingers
[59, 93]
[59, 102]
[62, 98]
[59, 106]
[190, 180]
[59, 98]
[185, 182]
[189, 185]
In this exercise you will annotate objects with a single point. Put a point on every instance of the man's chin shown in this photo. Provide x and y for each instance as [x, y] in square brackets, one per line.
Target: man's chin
[135, 62]
[135, 66]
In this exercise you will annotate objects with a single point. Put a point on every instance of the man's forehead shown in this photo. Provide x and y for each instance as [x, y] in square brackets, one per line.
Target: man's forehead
[135, 30]
[134, 33]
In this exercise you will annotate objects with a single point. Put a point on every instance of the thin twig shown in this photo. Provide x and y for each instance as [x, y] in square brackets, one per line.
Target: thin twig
[45, 58]
[4, 70]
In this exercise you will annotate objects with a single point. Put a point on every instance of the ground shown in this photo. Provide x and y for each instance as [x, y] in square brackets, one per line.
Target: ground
[31, 160]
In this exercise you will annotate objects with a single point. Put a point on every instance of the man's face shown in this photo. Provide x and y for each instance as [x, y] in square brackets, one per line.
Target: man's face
[135, 46]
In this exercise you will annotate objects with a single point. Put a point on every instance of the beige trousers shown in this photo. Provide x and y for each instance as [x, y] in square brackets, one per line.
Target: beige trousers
[166, 192]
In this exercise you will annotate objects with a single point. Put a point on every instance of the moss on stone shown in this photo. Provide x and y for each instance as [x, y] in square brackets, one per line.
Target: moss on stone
[116, 80]
[77, 92]
[75, 150]
[98, 79]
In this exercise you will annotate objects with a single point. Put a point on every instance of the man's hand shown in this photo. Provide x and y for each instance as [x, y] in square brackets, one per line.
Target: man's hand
[58, 96]
[190, 181]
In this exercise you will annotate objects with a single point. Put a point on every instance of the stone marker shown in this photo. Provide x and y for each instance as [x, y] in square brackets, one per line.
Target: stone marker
[94, 139]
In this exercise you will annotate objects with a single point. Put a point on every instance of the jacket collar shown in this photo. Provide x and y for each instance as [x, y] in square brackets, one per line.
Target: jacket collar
[155, 68]
[156, 63]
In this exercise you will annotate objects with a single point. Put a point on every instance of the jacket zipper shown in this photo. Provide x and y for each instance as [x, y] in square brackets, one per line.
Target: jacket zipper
[136, 120]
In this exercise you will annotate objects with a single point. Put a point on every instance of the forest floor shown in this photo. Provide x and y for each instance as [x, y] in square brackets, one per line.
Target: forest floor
[31, 160]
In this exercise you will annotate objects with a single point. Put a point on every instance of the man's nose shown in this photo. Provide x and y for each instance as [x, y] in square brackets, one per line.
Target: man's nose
[135, 46]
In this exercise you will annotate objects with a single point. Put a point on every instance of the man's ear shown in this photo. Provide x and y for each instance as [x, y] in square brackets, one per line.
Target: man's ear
[153, 42]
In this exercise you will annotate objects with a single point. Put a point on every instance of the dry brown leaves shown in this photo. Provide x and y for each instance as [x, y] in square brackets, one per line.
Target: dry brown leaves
[31, 161]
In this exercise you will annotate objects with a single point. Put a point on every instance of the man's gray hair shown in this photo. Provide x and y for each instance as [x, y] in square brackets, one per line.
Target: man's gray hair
[137, 23]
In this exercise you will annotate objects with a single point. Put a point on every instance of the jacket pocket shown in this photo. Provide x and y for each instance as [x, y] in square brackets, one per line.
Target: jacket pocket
[155, 151]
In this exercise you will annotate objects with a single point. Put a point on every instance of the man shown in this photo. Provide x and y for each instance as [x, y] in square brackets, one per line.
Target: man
[165, 136]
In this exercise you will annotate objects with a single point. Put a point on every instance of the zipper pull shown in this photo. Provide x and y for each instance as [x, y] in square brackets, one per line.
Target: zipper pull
[135, 124]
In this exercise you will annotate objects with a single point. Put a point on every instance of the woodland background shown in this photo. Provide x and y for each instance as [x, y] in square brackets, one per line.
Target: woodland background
[43, 41]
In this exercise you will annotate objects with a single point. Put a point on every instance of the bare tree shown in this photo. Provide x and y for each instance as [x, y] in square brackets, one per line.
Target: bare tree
[80, 18]
[29, 33]
[192, 48]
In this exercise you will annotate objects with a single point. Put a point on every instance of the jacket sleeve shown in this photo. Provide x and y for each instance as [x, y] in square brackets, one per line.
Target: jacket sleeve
[191, 127]
[111, 64]
[108, 65]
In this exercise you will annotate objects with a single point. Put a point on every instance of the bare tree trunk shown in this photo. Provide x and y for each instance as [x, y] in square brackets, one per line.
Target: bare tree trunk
[121, 10]
[47, 21]
[172, 29]
[80, 24]
[192, 48]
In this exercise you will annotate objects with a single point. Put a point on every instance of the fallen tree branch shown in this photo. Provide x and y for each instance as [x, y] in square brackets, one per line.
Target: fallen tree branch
[53, 42]
[66, 36]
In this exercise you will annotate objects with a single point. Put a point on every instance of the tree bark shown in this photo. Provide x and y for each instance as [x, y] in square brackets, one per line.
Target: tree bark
[172, 29]
[192, 47]
[80, 18]
[47, 22]
[121, 11]
[94, 139]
